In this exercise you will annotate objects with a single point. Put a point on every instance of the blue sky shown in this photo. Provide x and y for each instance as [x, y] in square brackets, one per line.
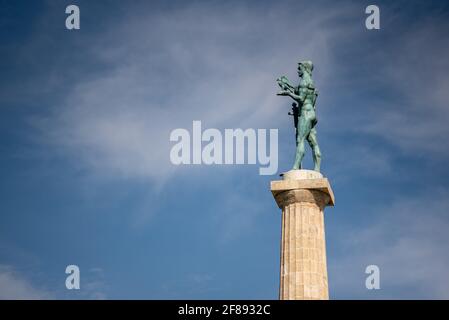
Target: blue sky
[85, 121]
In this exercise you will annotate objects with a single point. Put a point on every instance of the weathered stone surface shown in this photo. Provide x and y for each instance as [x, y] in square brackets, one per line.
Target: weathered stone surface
[301, 174]
[303, 248]
[320, 184]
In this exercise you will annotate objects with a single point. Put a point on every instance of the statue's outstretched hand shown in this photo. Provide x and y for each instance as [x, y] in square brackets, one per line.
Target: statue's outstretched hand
[283, 93]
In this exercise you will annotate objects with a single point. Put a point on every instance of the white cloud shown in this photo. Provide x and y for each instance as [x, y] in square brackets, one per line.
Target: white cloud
[215, 64]
[408, 240]
[414, 119]
[14, 286]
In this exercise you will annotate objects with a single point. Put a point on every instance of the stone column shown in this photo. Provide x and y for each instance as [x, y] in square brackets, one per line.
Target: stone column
[302, 195]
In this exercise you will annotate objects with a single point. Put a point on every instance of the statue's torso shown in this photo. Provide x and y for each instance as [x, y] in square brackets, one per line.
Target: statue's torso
[307, 108]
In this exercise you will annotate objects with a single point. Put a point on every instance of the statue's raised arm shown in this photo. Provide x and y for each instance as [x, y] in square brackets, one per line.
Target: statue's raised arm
[285, 84]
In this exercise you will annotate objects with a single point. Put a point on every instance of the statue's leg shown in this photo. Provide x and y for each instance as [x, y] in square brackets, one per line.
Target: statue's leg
[299, 153]
[313, 142]
[303, 131]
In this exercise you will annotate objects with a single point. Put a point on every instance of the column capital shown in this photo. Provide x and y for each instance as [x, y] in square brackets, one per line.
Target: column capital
[316, 190]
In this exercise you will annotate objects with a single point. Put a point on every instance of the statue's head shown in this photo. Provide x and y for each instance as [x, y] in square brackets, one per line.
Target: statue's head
[305, 66]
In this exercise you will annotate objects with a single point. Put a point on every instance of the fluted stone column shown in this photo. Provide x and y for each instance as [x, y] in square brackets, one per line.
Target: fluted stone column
[302, 195]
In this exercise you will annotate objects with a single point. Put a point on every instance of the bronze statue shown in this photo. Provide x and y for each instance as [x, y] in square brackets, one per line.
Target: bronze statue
[303, 112]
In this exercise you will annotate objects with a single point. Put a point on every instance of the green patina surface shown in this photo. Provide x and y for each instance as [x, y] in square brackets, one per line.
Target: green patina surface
[303, 112]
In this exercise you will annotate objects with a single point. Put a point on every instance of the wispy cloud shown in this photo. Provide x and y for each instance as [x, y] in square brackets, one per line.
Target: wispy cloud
[407, 239]
[192, 63]
[410, 110]
[14, 286]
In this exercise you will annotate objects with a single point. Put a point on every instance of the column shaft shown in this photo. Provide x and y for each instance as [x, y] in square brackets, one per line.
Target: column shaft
[303, 252]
